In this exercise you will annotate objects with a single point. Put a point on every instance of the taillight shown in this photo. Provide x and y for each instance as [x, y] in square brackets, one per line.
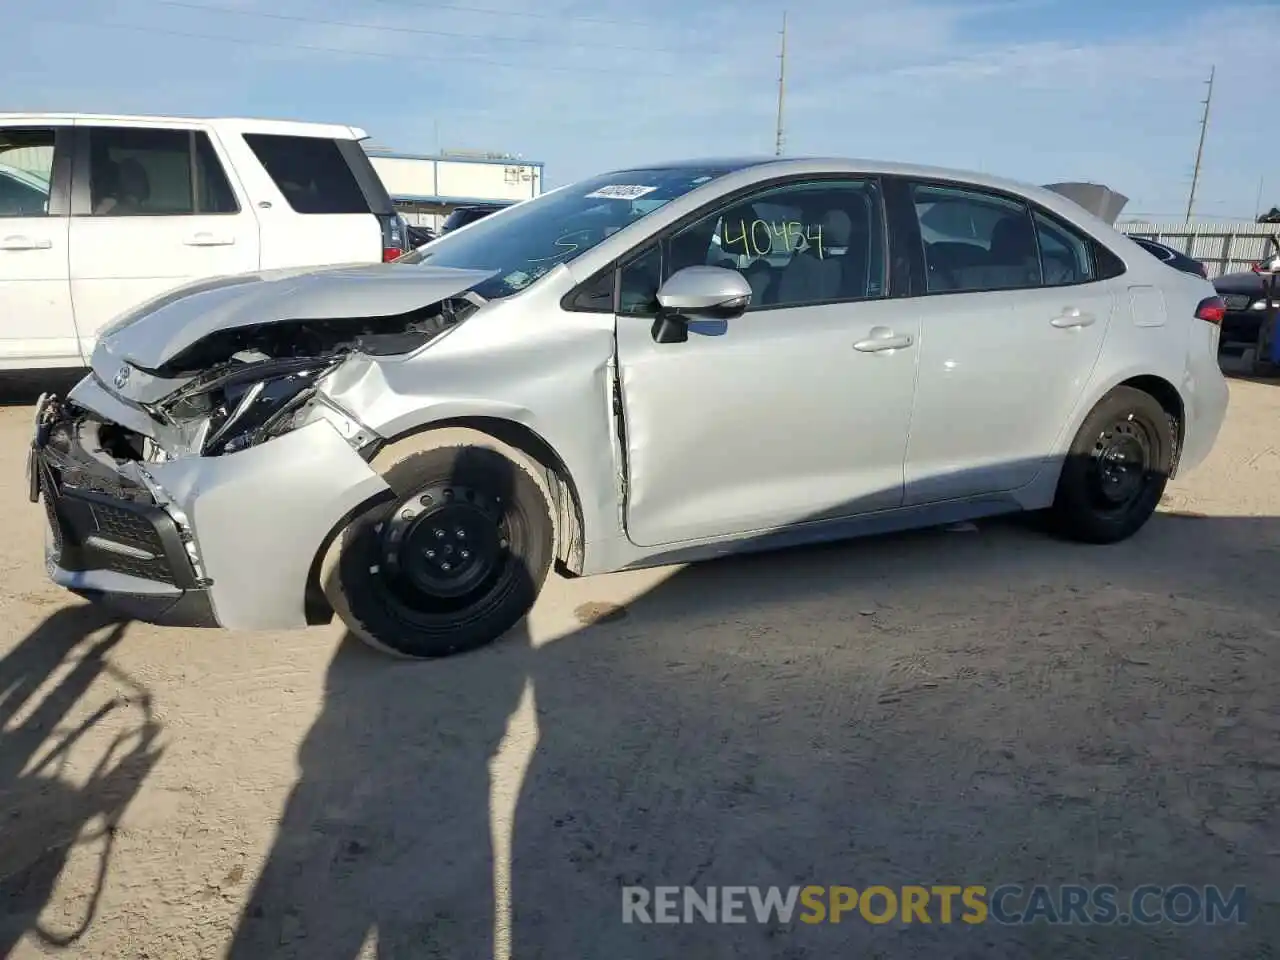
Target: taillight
[395, 237]
[1212, 310]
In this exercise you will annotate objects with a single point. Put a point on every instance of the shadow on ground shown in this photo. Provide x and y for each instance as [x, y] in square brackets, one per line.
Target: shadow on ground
[940, 708]
[43, 815]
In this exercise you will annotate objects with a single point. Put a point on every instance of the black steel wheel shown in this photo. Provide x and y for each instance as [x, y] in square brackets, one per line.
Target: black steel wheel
[455, 562]
[1116, 470]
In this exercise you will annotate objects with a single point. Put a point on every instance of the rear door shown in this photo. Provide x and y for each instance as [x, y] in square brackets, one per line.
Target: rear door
[153, 208]
[335, 208]
[1014, 313]
[36, 326]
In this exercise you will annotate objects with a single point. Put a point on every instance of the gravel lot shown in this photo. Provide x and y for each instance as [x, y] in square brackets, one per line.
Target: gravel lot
[977, 707]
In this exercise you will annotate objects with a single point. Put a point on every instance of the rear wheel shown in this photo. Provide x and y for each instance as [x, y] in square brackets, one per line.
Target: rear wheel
[1116, 469]
[453, 563]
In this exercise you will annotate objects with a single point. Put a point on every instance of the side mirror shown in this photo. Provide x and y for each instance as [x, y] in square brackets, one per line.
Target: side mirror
[695, 292]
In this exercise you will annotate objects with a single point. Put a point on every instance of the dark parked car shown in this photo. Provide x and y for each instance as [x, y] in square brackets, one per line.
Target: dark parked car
[420, 235]
[1246, 300]
[1174, 258]
[461, 216]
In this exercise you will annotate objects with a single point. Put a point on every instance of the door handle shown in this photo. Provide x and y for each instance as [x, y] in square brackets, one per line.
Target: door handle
[209, 240]
[1072, 317]
[881, 339]
[24, 243]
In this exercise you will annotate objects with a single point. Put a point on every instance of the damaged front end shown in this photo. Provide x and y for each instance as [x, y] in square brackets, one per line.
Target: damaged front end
[241, 387]
[111, 527]
[150, 511]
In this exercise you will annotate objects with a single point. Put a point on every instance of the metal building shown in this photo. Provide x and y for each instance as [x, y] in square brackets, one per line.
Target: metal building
[427, 188]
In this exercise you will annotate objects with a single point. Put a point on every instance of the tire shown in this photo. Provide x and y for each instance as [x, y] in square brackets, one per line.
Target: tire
[453, 563]
[1095, 503]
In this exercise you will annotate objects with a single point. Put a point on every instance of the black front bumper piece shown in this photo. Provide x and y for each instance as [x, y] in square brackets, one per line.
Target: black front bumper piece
[101, 521]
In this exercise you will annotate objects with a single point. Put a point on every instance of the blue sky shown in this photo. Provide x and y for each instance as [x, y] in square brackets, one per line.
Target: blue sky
[1039, 90]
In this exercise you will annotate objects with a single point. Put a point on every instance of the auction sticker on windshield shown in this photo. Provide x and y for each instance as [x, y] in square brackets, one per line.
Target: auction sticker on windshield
[620, 191]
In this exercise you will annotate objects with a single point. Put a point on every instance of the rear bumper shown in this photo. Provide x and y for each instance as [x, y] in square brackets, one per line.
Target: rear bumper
[1205, 396]
[228, 541]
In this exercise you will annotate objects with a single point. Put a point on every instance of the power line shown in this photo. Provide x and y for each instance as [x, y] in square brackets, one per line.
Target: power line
[398, 57]
[490, 11]
[419, 31]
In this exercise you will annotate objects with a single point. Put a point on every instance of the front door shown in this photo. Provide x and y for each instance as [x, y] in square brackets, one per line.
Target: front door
[152, 209]
[1013, 323]
[796, 411]
[36, 324]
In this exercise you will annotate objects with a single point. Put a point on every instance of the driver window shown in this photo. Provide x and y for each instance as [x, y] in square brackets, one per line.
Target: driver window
[803, 243]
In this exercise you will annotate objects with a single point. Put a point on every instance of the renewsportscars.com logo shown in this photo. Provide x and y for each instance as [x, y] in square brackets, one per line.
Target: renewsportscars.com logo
[1181, 904]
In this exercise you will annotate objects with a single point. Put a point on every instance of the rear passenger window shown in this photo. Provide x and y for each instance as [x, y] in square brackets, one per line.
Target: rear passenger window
[311, 172]
[26, 170]
[975, 241]
[142, 172]
[1064, 255]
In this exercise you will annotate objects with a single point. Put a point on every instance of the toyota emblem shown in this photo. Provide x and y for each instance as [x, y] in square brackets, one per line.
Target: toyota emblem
[122, 376]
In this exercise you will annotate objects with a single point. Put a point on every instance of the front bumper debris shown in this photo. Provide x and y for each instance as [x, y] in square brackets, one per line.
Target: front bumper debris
[229, 540]
[108, 538]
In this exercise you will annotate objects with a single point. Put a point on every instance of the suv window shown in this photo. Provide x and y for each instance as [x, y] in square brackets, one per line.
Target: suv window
[1064, 256]
[975, 241]
[213, 189]
[144, 172]
[26, 171]
[803, 243]
[311, 172]
[464, 215]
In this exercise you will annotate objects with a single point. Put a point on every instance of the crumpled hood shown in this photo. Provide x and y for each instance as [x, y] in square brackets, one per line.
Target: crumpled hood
[158, 330]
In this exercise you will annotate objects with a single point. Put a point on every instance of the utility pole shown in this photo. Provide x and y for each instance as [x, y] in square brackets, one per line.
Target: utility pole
[1204, 126]
[782, 85]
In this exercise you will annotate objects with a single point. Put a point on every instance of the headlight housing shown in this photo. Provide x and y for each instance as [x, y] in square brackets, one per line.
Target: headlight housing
[242, 405]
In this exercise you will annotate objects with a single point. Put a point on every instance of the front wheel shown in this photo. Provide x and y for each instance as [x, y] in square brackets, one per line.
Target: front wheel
[453, 563]
[1116, 469]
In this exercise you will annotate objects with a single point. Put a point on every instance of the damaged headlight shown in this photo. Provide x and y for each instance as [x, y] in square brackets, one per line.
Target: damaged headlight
[246, 403]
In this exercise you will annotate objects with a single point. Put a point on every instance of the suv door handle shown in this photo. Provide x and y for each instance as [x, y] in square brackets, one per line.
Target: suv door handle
[1072, 317]
[881, 339]
[209, 240]
[24, 243]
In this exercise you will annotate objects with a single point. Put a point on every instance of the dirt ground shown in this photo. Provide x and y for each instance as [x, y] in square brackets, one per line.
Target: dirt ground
[962, 707]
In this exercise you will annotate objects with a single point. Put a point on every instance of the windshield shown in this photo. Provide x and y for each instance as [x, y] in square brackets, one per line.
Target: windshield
[528, 241]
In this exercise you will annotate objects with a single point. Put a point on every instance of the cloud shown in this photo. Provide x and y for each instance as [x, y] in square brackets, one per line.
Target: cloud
[1036, 90]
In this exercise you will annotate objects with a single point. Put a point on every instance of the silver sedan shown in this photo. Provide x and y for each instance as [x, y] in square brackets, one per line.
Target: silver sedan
[652, 366]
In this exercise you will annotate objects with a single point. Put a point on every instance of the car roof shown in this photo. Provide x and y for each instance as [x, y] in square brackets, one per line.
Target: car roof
[300, 128]
[764, 166]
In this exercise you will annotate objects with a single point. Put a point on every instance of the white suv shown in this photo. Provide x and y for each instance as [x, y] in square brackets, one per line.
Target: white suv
[99, 214]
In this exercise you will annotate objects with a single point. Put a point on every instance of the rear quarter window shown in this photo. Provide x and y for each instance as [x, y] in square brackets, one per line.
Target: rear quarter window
[311, 173]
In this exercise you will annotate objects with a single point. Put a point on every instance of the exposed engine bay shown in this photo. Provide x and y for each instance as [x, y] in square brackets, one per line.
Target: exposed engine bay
[238, 387]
